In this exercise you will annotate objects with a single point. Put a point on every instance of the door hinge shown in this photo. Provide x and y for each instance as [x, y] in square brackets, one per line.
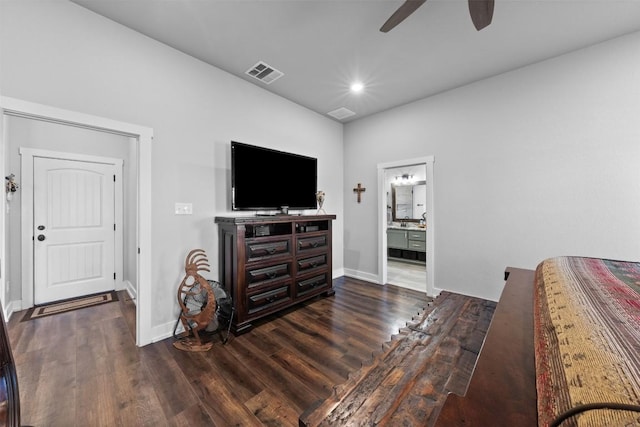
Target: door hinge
[114, 227]
[114, 178]
[114, 276]
[138, 250]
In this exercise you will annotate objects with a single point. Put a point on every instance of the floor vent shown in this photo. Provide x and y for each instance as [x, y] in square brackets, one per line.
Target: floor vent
[341, 113]
[264, 72]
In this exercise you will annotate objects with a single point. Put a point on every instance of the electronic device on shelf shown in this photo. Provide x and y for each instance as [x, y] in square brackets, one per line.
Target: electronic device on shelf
[264, 179]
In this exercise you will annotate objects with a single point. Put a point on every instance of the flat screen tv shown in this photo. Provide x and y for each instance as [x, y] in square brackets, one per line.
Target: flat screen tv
[266, 179]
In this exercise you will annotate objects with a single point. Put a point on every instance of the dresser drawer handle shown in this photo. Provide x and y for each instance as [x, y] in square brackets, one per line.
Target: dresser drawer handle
[267, 249]
[312, 243]
[313, 282]
[271, 274]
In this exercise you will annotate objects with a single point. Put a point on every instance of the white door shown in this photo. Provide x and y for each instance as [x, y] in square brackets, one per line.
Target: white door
[74, 236]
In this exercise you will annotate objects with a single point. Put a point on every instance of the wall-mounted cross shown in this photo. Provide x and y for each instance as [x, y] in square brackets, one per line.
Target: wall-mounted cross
[359, 189]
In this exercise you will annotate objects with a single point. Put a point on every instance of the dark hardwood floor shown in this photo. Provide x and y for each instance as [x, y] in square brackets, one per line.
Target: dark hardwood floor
[406, 385]
[82, 368]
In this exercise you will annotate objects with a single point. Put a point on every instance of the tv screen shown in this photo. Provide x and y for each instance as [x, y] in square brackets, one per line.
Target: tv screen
[266, 179]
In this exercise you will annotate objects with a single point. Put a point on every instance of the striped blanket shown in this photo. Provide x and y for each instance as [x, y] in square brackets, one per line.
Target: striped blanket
[587, 339]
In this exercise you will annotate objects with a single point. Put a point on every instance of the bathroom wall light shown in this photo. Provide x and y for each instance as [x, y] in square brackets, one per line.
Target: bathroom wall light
[405, 177]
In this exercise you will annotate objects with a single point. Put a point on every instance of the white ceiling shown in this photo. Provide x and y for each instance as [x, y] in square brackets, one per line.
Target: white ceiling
[321, 46]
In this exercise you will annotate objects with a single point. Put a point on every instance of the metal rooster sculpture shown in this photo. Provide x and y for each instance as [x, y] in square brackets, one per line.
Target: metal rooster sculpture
[197, 303]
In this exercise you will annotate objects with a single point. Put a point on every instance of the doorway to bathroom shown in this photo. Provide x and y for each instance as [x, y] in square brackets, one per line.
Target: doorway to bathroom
[406, 249]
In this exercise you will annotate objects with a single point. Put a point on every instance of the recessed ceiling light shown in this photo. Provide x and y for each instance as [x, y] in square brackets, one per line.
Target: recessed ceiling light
[357, 87]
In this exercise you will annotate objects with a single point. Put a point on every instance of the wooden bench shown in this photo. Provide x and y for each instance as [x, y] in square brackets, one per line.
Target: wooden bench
[502, 391]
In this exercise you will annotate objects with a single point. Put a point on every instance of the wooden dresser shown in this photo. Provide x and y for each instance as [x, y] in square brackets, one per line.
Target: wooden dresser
[269, 263]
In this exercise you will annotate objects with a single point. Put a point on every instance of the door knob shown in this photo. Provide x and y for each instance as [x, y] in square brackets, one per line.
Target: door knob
[41, 237]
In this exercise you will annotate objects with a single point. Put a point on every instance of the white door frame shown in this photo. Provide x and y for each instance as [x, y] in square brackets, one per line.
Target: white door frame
[27, 156]
[144, 137]
[382, 219]
[6, 305]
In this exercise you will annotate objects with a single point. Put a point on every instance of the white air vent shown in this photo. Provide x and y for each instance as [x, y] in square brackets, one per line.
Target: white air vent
[264, 72]
[341, 113]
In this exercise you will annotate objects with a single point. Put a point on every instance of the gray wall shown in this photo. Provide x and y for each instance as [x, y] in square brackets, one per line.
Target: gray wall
[535, 163]
[62, 55]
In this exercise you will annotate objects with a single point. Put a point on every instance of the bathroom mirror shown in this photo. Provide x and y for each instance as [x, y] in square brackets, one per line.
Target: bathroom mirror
[408, 201]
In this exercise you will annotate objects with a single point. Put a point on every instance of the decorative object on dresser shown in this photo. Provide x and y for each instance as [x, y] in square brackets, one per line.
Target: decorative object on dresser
[271, 263]
[320, 198]
[201, 308]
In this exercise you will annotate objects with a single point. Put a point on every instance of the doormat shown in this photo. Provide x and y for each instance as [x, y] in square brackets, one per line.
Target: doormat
[69, 305]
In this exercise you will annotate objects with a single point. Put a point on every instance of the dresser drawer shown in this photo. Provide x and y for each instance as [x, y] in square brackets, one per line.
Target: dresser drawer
[270, 298]
[312, 283]
[311, 243]
[311, 262]
[420, 246]
[260, 250]
[417, 235]
[259, 276]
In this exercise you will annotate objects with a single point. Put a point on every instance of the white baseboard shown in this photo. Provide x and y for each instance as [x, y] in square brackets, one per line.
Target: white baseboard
[368, 277]
[131, 290]
[162, 332]
[12, 307]
[373, 278]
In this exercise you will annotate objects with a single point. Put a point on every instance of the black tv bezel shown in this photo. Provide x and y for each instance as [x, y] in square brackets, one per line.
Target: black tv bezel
[284, 154]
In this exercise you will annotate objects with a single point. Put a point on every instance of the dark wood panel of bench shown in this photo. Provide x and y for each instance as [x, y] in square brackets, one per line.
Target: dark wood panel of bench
[502, 391]
[407, 383]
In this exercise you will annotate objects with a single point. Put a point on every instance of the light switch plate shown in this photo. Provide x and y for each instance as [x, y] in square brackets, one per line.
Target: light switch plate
[184, 209]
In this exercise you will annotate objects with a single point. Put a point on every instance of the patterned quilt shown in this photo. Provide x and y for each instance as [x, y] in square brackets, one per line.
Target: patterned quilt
[587, 339]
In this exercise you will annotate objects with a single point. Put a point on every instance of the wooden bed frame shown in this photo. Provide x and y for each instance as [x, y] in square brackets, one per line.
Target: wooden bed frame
[502, 390]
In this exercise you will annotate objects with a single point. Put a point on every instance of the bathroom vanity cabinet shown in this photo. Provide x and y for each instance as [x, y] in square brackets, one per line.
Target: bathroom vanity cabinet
[407, 243]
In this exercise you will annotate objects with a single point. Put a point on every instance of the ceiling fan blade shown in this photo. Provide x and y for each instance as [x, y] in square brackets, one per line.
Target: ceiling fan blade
[481, 12]
[407, 8]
